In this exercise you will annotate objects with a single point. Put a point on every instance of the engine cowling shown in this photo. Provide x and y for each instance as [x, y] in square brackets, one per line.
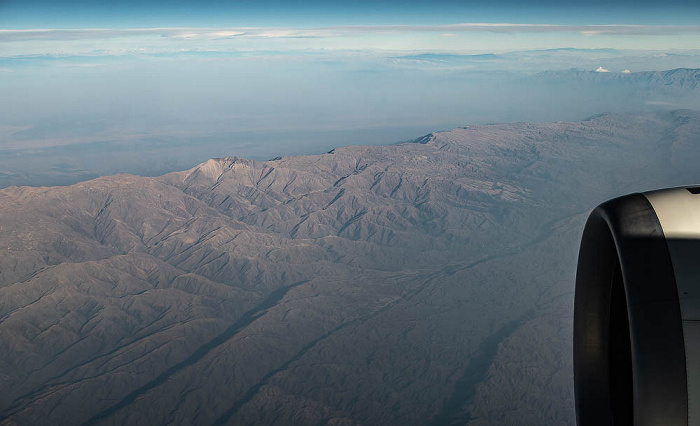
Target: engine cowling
[637, 311]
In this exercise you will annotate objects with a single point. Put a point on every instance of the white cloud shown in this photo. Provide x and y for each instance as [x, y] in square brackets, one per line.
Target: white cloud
[664, 103]
[492, 37]
[339, 31]
[601, 69]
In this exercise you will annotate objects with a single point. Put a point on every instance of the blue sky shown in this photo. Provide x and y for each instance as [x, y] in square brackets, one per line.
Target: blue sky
[296, 13]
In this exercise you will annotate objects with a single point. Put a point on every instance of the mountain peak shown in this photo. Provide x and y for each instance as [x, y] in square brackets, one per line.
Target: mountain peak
[423, 140]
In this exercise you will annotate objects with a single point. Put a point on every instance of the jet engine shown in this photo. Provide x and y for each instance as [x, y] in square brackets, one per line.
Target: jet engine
[637, 311]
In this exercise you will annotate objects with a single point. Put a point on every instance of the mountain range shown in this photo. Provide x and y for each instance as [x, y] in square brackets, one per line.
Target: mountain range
[679, 79]
[426, 282]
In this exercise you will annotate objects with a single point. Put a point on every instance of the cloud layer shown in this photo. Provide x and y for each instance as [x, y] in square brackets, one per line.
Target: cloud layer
[340, 31]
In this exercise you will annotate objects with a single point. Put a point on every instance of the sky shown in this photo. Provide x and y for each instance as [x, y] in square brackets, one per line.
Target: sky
[189, 80]
[305, 13]
[88, 27]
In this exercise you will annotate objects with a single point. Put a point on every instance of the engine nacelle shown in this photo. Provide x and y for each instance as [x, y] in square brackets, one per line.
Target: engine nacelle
[637, 311]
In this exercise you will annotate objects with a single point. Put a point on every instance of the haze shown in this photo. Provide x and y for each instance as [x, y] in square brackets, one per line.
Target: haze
[122, 89]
